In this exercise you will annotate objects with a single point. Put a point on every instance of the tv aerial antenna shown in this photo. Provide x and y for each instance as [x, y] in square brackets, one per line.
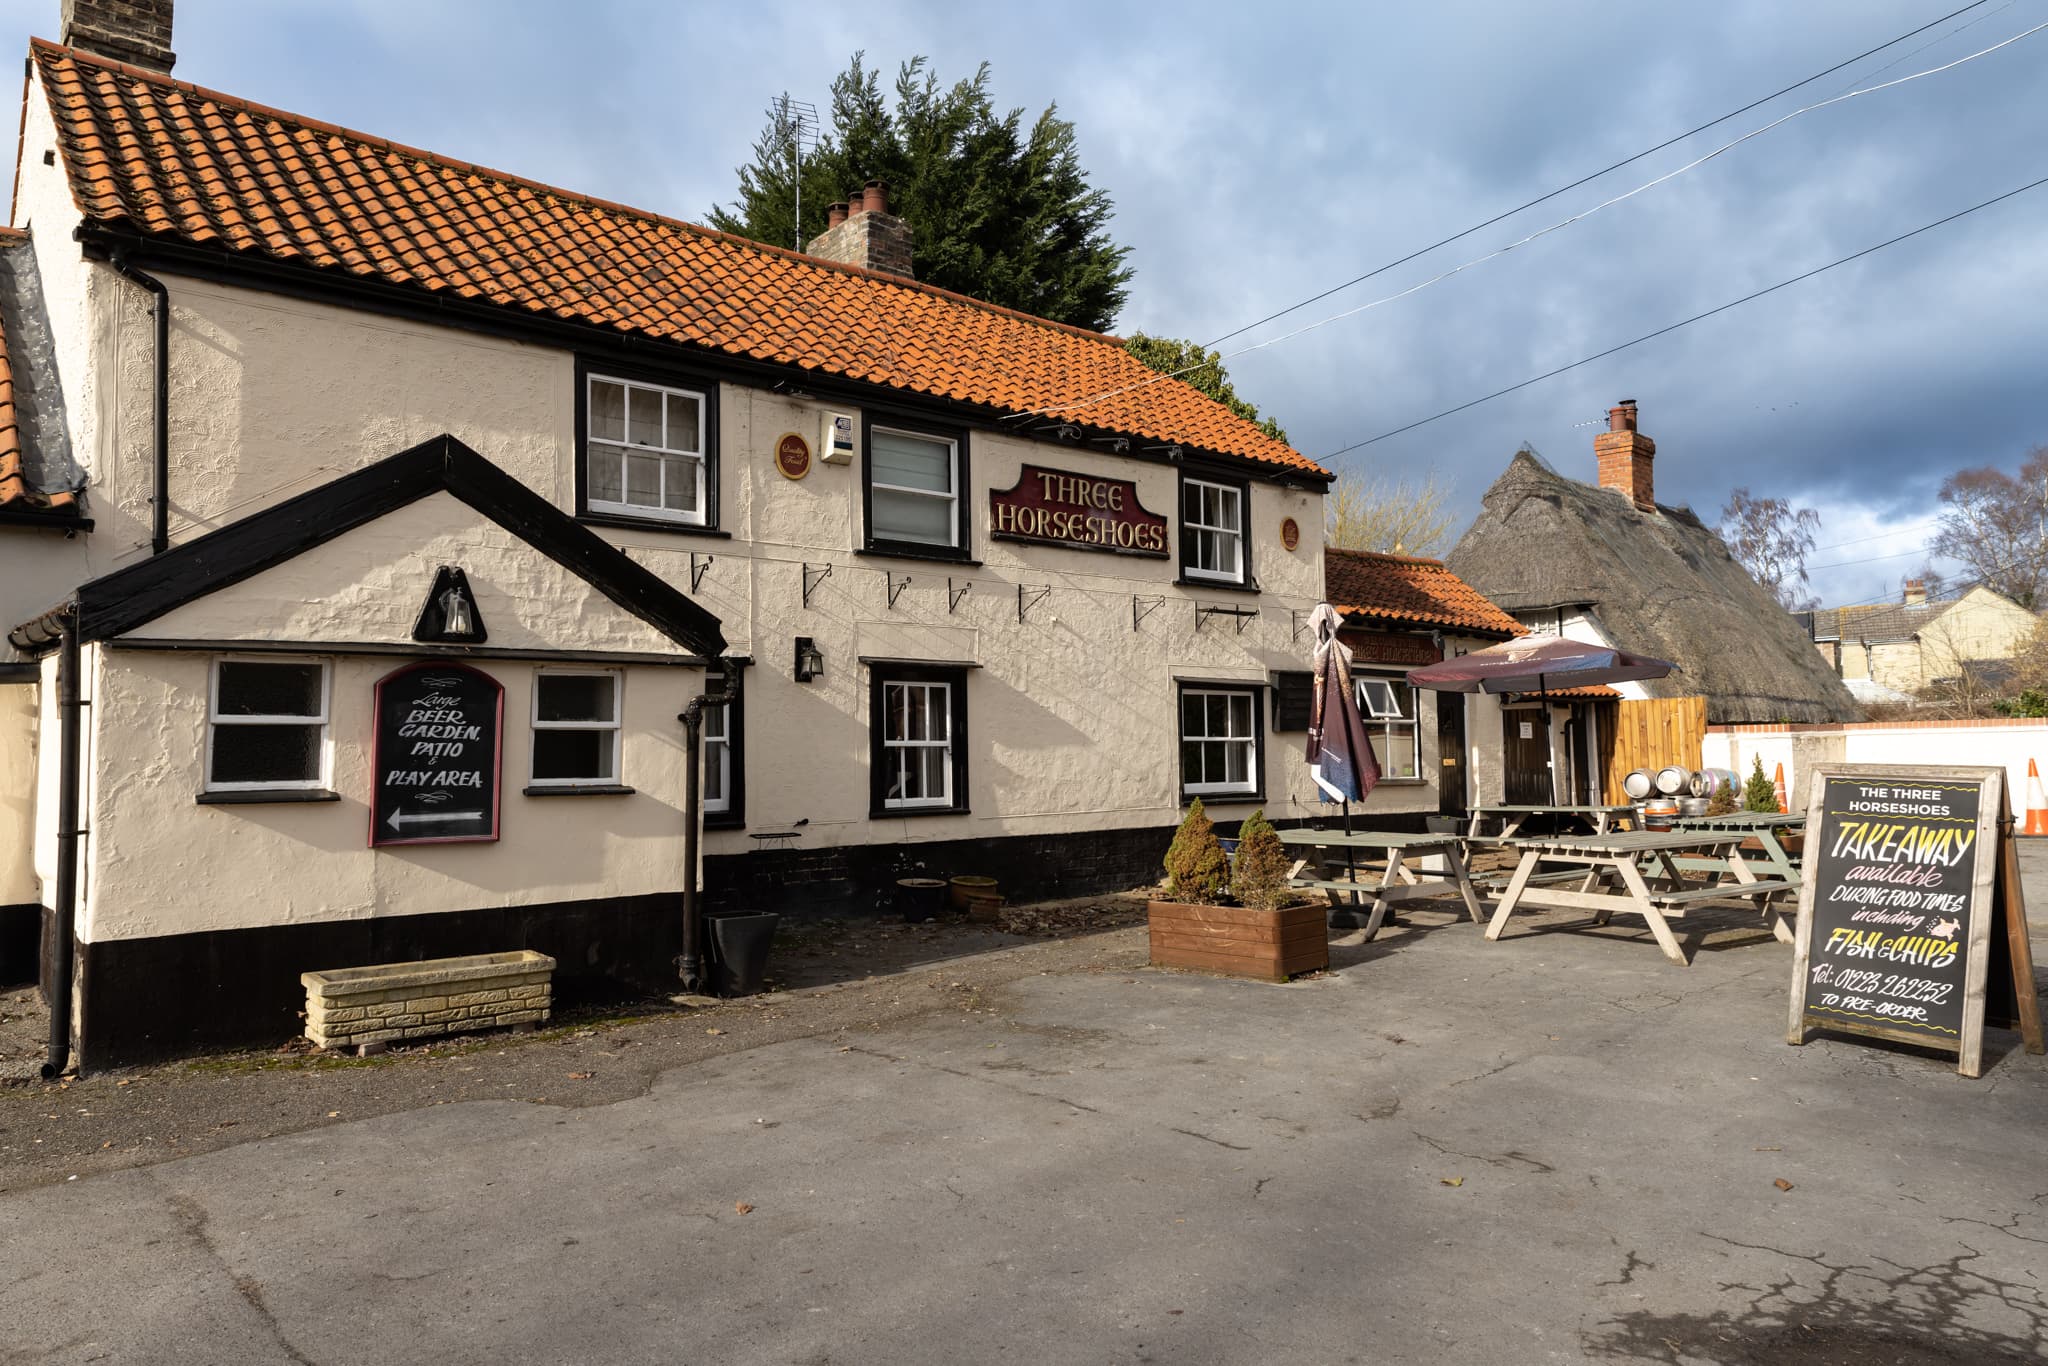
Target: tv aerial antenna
[795, 123]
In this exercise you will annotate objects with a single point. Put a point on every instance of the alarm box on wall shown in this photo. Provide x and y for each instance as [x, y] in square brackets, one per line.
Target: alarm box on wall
[835, 443]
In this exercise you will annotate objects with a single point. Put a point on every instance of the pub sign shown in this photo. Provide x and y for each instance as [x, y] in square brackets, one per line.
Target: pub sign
[1079, 511]
[439, 735]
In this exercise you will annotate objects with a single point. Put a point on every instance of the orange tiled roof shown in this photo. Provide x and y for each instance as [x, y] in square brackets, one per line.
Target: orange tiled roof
[15, 494]
[1404, 588]
[170, 159]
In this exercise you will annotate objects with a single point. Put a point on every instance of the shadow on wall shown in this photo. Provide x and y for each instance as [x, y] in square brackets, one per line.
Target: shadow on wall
[1818, 1311]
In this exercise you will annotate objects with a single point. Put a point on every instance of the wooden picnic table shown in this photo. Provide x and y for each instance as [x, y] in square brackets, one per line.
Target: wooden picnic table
[1598, 819]
[1330, 851]
[1765, 827]
[1638, 872]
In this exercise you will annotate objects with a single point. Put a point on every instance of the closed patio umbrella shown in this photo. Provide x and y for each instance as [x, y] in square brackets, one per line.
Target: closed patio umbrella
[1534, 664]
[1340, 758]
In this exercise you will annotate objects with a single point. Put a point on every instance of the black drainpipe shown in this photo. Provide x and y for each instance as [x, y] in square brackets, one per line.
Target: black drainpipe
[160, 408]
[64, 914]
[691, 963]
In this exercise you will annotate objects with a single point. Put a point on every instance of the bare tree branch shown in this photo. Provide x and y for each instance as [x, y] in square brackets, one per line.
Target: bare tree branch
[1772, 539]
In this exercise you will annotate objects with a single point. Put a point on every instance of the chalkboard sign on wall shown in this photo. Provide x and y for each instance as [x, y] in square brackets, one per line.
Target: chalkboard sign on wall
[439, 733]
[1907, 907]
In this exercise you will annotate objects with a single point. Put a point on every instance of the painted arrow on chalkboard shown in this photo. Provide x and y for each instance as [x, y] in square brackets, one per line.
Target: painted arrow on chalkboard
[398, 820]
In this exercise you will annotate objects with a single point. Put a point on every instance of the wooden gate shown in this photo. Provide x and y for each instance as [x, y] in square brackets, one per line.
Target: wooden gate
[1650, 733]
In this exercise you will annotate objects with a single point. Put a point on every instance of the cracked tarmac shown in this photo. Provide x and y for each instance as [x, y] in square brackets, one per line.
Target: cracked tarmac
[1557, 1148]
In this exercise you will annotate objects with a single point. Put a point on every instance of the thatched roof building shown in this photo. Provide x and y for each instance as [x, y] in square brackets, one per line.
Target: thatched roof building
[1574, 558]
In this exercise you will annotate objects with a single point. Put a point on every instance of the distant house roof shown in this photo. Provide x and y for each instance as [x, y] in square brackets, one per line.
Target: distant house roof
[1879, 621]
[173, 162]
[18, 496]
[1402, 589]
[1660, 583]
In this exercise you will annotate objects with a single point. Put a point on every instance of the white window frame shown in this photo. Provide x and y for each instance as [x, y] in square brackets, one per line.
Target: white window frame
[941, 691]
[616, 726]
[1236, 533]
[669, 455]
[1250, 738]
[951, 498]
[1380, 708]
[722, 718]
[214, 718]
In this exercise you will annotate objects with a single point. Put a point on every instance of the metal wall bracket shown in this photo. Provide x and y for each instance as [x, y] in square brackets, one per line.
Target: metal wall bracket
[1030, 597]
[1296, 623]
[1144, 607]
[1243, 615]
[895, 588]
[697, 571]
[953, 595]
[811, 581]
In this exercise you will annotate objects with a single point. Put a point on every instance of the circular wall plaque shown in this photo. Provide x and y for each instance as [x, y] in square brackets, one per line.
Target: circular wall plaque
[792, 455]
[1290, 534]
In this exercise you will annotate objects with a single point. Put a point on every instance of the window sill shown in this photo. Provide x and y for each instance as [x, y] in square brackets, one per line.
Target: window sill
[1219, 585]
[577, 790]
[1401, 782]
[724, 820]
[614, 519]
[1223, 798]
[890, 813]
[266, 796]
[895, 552]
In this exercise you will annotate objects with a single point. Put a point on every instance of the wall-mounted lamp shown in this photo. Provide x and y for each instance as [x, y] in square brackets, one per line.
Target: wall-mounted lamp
[450, 614]
[810, 660]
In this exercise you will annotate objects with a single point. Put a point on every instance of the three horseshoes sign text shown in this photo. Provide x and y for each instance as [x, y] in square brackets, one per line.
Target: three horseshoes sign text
[439, 733]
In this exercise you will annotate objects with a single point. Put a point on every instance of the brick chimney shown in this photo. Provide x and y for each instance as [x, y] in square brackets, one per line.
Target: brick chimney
[1916, 592]
[137, 32]
[1625, 455]
[862, 232]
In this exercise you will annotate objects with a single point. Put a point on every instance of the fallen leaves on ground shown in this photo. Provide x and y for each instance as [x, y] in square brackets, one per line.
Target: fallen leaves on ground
[579, 1076]
[742, 1207]
[1070, 917]
[1452, 1180]
[1782, 1184]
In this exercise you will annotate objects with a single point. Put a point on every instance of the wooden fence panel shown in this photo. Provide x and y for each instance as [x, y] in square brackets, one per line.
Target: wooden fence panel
[1650, 733]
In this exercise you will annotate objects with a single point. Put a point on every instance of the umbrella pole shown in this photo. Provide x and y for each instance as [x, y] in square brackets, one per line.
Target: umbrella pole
[1350, 856]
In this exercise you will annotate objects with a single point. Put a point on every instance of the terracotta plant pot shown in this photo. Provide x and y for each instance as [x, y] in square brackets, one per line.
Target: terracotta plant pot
[1238, 941]
[985, 908]
[966, 887]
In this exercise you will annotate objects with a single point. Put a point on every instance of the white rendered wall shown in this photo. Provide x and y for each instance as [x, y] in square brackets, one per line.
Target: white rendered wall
[2000, 744]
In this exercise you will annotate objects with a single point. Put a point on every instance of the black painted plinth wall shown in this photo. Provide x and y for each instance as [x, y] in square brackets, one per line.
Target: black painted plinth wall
[21, 938]
[148, 999]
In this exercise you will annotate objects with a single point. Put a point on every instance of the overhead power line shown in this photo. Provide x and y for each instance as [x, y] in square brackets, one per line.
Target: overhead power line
[1588, 179]
[1071, 405]
[1687, 322]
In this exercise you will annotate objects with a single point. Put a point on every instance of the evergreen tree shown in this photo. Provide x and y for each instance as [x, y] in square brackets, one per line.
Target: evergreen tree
[1258, 877]
[1759, 793]
[1722, 803]
[996, 211]
[1196, 870]
[1201, 369]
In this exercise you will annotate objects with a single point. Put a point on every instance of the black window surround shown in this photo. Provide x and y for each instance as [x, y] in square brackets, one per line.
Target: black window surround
[1189, 576]
[880, 675]
[665, 378]
[1294, 692]
[734, 817]
[962, 549]
[1257, 693]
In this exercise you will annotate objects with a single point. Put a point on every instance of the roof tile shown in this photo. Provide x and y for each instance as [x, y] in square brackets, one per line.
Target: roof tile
[144, 151]
[1403, 588]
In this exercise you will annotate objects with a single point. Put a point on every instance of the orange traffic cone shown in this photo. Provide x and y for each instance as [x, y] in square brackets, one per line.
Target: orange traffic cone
[1778, 788]
[2037, 803]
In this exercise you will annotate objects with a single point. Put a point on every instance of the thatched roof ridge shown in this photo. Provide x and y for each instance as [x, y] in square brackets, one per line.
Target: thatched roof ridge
[1659, 583]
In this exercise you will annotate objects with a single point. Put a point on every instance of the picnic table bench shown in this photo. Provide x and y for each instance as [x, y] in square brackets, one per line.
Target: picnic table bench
[1638, 872]
[1323, 849]
[1598, 819]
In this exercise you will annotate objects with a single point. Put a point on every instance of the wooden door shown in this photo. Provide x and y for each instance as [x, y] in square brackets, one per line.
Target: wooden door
[1525, 756]
[1450, 747]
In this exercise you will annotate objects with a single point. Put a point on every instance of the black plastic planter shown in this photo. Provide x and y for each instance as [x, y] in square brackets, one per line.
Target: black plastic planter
[920, 898]
[739, 949]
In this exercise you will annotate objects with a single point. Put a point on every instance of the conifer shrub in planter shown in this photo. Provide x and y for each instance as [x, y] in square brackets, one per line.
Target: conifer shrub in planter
[1252, 934]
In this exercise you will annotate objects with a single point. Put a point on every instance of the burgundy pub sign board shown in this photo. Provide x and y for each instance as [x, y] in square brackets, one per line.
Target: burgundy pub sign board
[1080, 511]
[439, 735]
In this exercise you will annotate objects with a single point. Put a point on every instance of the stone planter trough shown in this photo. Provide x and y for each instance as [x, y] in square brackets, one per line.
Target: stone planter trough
[374, 1006]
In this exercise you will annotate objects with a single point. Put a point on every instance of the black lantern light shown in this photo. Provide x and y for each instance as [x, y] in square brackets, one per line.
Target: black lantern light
[450, 614]
[810, 660]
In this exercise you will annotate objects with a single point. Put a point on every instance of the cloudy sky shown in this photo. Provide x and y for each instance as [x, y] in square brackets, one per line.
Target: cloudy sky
[1260, 154]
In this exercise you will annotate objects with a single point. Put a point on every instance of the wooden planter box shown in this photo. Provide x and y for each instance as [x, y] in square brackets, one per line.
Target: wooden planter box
[1239, 941]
